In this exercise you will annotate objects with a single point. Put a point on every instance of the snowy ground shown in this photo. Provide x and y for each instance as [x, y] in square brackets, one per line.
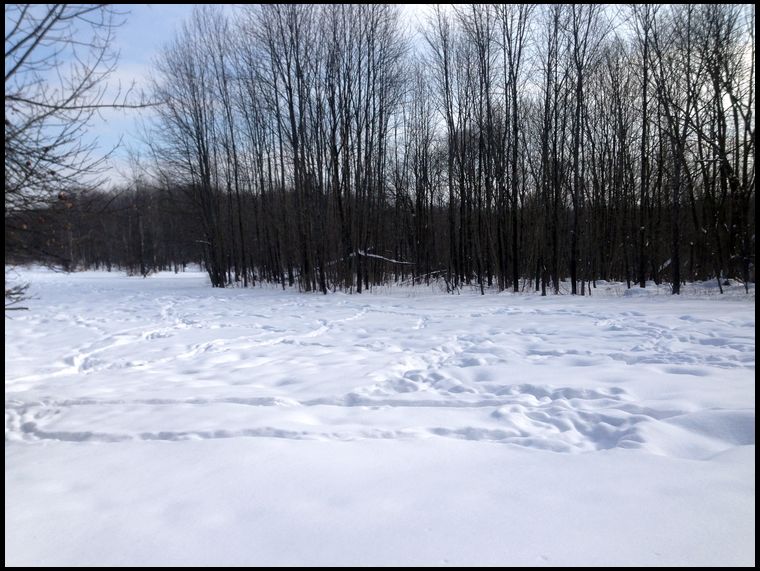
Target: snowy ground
[158, 421]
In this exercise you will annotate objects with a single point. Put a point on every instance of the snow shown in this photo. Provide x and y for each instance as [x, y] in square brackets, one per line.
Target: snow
[161, 422]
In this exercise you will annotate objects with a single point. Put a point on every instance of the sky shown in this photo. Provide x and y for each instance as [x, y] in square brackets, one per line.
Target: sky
[146, 29]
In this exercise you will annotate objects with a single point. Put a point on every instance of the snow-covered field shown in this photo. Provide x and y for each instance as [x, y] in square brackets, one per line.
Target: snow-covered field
[159, 421]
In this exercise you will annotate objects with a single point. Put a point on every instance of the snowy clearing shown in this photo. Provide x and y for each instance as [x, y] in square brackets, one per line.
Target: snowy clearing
[161, 422]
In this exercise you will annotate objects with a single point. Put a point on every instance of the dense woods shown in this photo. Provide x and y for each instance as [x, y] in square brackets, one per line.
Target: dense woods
[337, 147]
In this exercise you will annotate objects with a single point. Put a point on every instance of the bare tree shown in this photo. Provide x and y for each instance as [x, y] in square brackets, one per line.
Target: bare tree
[185, 143]
[674, 78]
[58, 58]
[312, 146]
[514, 23]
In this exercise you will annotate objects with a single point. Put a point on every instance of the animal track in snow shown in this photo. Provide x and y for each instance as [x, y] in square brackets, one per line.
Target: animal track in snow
[557, 419]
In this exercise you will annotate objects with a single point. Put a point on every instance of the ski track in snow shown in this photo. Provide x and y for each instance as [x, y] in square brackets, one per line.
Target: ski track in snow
[240, 364]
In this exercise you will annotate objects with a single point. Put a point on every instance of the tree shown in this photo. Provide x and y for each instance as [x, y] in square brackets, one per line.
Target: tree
[58, 58]
[310, 146]
[514, 22]
[674, 78]
[188, 130]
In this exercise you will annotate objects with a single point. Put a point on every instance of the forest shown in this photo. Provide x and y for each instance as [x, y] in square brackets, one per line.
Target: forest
[495, 146]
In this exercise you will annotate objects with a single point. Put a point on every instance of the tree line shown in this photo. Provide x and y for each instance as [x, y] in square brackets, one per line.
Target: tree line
[337, 147]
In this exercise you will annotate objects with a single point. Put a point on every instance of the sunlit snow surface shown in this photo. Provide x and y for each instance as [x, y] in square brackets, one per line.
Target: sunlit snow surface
[160, 421]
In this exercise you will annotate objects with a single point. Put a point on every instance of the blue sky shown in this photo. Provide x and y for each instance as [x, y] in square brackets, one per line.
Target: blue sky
[146, 29]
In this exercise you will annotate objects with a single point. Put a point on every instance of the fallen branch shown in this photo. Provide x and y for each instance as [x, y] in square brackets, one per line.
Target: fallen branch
[363, 253]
